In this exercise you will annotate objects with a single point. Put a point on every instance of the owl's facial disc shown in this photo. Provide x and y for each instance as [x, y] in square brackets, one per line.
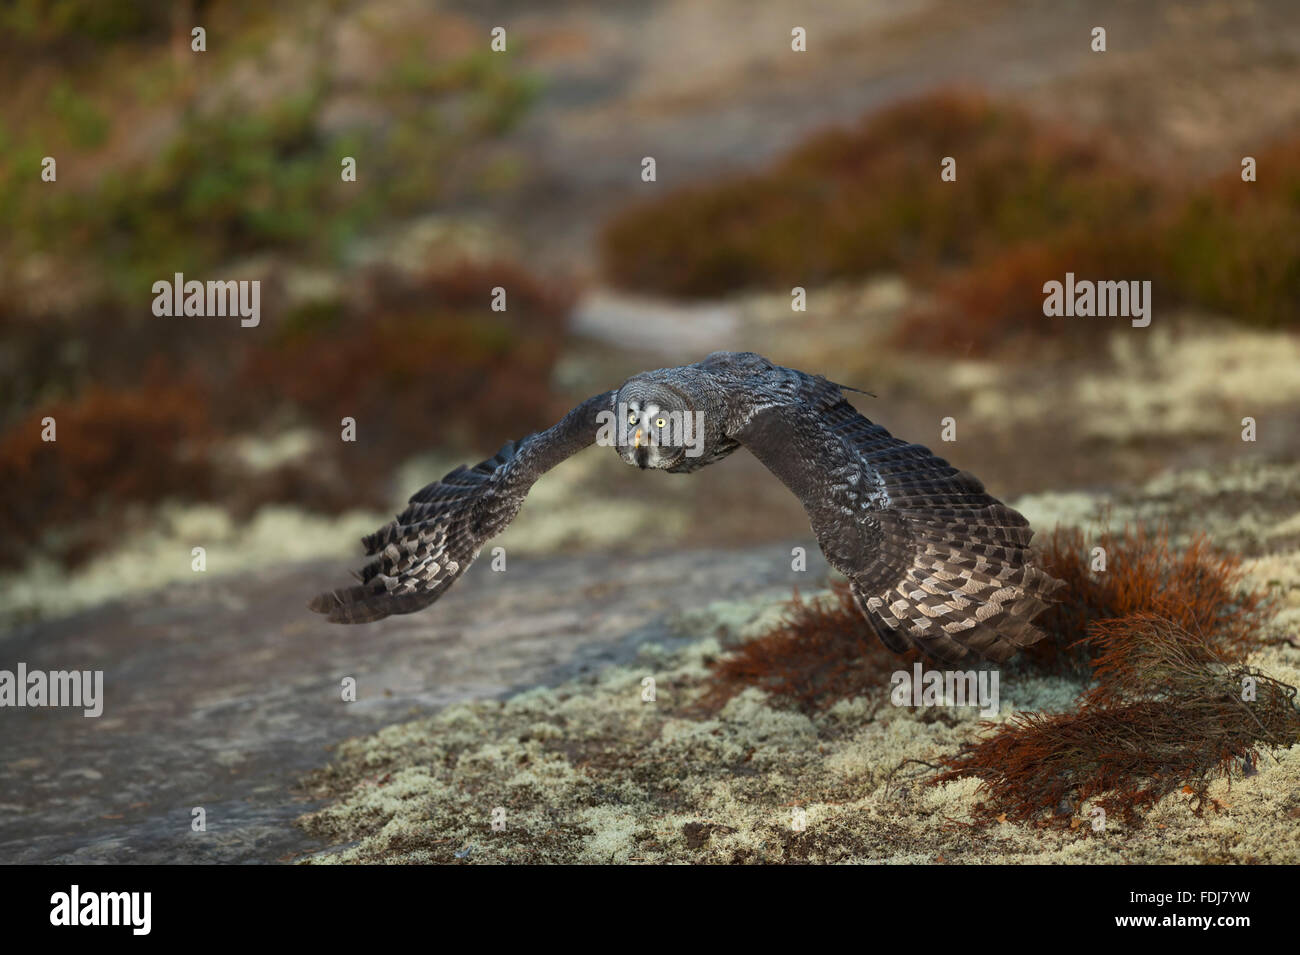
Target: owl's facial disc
[652, 429]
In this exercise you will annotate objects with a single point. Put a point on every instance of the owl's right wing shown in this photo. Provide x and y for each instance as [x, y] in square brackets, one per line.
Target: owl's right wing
[933, 561]
[445, 525]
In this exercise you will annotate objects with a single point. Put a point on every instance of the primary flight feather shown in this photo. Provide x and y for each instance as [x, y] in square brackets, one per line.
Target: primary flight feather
[933, 561]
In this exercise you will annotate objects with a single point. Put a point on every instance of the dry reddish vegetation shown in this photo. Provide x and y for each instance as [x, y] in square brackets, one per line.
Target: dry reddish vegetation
[421, 361]
[113, 448]
[999, 301]
[416, 361]
[1198, 588]
[1231, 247]
[1165, 635]
[821, 653]
[1032, 201]
[1165, 713]
[850, 202]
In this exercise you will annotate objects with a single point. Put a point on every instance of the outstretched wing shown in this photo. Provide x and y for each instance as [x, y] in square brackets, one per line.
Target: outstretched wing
[445, 525]
[933, 561]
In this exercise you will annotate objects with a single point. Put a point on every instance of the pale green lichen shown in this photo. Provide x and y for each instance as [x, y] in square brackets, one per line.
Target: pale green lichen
[589, 772]
[163, 556]
[1183, 379]
[560, 515]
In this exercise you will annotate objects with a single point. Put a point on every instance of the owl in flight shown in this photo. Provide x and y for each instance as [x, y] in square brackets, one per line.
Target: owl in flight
[932, 560]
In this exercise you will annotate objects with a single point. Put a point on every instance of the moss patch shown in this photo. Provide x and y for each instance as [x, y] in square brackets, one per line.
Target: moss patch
[590, 772]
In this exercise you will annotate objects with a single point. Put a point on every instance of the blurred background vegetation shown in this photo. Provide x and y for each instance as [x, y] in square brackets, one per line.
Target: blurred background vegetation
[521, 169]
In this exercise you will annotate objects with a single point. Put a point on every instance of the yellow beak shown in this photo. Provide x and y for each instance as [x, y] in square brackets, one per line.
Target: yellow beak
[636, 441]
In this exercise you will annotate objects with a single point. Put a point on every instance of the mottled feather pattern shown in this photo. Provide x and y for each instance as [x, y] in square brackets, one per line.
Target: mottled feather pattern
[973, 584]
[427, 547]
[423, 550]
[933, 560]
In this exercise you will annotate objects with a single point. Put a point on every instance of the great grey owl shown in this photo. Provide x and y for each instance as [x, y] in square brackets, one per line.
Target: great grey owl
[932, 560]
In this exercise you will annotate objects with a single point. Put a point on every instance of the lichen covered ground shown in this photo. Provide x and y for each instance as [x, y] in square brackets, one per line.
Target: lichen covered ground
[589, 771]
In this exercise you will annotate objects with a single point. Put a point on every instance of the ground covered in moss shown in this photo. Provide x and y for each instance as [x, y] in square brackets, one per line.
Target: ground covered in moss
[591, 771]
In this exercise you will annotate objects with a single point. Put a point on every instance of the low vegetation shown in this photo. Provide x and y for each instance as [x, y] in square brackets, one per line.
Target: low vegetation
[1031, 202]
[1169, 710]
[228, 165]
[414, 360]
[1162, 636]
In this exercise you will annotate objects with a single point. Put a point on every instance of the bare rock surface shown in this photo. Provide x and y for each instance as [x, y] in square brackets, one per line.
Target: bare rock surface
[222, 694]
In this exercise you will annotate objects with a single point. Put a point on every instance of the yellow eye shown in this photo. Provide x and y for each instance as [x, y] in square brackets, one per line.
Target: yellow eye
[631, 419]
[660, 422]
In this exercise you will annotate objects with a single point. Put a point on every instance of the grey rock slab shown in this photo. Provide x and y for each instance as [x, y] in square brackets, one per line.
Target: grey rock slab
[222, 694]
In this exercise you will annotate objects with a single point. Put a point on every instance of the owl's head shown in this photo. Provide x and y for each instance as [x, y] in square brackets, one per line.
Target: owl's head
[659, 426]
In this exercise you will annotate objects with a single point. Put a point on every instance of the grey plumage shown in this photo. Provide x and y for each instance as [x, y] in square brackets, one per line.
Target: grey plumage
[933, 561]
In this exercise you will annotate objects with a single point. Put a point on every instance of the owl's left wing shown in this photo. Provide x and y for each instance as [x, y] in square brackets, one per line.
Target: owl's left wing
[445, 525]
[933, 561]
